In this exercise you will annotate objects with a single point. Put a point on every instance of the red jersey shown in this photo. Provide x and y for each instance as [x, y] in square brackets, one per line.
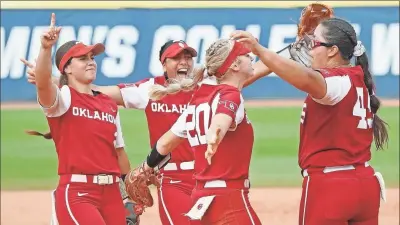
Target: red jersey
[337, 130]
[161, 114]
[86, 131]
[232, 159]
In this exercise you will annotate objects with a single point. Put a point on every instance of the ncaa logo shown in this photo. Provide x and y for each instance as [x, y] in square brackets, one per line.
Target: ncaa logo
[199, 206]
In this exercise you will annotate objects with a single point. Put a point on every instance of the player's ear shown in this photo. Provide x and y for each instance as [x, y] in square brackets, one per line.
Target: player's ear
[67, 69]
[235, 66]
[332, 51]
[164, 67]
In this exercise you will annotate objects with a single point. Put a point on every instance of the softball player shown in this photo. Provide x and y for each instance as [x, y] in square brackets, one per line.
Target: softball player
[215, 118]
[85, 128]
[338, 124]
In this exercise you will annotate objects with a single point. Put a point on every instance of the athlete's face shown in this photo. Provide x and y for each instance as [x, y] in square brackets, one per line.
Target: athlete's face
[179, 66]
[82, 69]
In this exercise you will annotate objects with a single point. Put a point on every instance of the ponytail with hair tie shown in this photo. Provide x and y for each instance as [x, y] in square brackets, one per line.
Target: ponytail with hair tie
[359, 50]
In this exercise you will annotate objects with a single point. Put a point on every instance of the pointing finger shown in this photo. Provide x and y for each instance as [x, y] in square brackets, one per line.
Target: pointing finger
[53, 20]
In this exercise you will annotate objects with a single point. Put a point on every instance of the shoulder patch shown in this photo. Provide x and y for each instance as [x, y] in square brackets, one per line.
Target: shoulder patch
[229, 105]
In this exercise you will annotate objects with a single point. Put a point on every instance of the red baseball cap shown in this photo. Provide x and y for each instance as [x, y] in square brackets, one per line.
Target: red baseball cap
[73, 49]
[173, 48]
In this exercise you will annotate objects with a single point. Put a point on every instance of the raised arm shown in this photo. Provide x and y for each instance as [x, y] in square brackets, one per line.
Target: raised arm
[260, 70]
[46, 90]
[301, 77]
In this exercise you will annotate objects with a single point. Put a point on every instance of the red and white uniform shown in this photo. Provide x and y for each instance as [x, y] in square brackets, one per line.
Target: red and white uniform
[177, 176]
[335, 147]
[86, 131]
[227, 176]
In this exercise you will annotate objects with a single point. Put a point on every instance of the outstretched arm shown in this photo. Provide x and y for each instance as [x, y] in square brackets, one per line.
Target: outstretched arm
[112, 91]
[220, 124]
[135, 97]
[167, 143]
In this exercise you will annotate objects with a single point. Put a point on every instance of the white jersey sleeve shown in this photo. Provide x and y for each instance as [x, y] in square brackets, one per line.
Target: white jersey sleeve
[179, 127]
[136, 95]
[61, 103]
[119, 139]
[337, 88]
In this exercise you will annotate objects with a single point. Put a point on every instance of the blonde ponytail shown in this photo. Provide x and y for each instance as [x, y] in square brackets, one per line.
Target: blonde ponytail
[157, 91]
[216, 54]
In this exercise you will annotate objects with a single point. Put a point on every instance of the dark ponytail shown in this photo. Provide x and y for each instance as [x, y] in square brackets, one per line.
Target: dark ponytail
[64, 77]
[36, 133]
[63, 80]
[342, 34]
[381, 136]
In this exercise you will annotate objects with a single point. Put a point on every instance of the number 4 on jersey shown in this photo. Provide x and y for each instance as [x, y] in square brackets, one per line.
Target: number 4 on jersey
[360, 110]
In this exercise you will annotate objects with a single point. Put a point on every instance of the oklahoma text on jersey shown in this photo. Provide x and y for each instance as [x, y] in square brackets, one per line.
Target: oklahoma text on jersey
[77, 111]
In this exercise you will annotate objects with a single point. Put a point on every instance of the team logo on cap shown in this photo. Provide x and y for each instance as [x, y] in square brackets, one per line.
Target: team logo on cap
[180, 43]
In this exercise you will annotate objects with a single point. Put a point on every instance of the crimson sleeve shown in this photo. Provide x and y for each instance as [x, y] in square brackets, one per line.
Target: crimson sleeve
[228, 102]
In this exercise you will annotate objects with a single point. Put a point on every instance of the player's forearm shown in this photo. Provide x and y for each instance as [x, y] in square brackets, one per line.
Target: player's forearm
[260, 70]
[123, 161]
[43, 68]
[112, 91]
[160, 153]
[167, 143]
[220, 122]
[45, 88]
[299, 76]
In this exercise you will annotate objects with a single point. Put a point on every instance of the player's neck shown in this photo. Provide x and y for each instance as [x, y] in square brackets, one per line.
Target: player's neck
[338, 63]
[233, 81]
[81, 88]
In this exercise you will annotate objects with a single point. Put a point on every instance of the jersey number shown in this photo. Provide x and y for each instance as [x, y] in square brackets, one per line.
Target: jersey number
[360, 110]
[196, 113]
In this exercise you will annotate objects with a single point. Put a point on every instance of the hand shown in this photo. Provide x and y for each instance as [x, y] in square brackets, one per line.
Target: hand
[212, 144]
[133, 212]
[247, 39]
[50, 37]
[31, 71]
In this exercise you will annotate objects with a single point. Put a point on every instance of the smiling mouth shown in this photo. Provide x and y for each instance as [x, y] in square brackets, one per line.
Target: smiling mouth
[182, 72]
